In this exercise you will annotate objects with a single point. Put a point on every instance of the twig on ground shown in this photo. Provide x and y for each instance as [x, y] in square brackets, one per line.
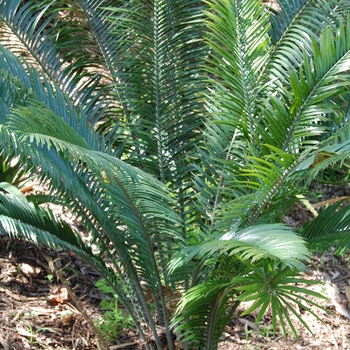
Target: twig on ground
[102, 344]
[121, 346]
[329, 202]
[249, 324]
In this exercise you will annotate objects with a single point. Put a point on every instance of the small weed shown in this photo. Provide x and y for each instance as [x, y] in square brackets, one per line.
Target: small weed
[50, 277]
[266, 331]
[114, 319]
[33, 334]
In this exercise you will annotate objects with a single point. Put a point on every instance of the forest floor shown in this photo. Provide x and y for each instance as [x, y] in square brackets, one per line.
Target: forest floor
[37, 313]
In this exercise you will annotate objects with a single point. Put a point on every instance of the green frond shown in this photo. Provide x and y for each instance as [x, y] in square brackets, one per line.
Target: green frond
[189, 177]
[202, 313]
[160, 75]
[237, 36]
[203, 309]
[257, 191]
[330, 228]
[19, 218]
[314, 94]
[121, 213]
[292, 30]
[29, 83]
[274, 286]
[135, 191]
[266, 176]
[159, 70]
[50, 34]
[314, 16]
[254, 243]
[122, 206]
[62, 47]
[238, 40]
[311, 96]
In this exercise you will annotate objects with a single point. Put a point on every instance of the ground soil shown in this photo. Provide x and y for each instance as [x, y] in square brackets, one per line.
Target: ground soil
[35, 312]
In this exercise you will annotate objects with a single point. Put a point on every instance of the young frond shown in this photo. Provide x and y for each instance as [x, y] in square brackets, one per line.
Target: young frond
[239, 43]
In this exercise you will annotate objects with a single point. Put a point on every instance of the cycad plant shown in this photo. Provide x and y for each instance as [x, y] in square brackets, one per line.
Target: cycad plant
[180, 133]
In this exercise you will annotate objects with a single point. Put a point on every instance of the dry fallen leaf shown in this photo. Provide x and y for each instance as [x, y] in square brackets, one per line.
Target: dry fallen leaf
[62, 297]
[27, 269]
[66, 319]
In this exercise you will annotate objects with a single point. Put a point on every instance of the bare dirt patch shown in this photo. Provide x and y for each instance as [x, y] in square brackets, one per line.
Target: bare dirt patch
[35, 312]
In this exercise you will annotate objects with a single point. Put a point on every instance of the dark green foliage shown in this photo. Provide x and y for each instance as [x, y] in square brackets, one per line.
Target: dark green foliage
[331, 227]
[177, 184]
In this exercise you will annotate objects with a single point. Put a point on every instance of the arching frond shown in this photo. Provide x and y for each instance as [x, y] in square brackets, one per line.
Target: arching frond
[62, 46]
[314, 16]
[331, 227]
[50, 38]
[122, 206]
[23, 87]
[253, 244]
[22, 219]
